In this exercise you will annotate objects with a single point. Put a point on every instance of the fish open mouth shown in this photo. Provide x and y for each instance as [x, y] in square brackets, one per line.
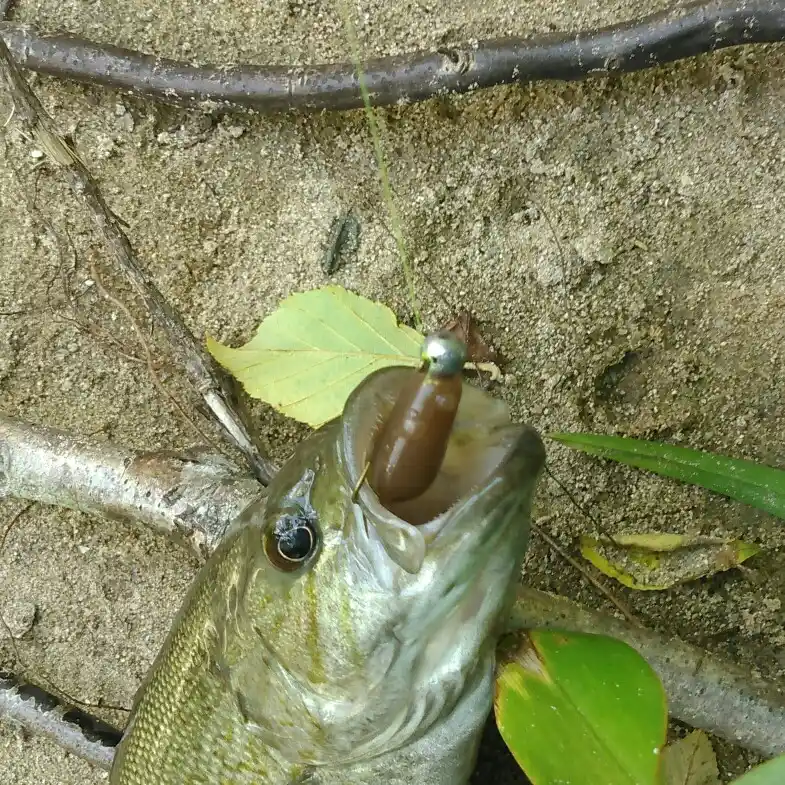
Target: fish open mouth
[481, 445]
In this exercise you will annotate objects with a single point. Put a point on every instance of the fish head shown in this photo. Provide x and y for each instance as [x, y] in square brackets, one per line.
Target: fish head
[368, 623]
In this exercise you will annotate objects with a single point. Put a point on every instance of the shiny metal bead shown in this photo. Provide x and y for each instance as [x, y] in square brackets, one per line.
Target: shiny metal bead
[444, 354]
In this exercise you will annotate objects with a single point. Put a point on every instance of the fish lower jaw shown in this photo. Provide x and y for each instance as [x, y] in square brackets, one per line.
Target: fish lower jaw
[424, 704]
[442, 753]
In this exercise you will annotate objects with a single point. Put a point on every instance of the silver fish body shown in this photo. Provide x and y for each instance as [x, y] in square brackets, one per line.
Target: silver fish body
[331, 640]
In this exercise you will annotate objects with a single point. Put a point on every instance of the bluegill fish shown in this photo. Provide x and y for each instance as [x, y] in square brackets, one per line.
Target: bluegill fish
[333, 640]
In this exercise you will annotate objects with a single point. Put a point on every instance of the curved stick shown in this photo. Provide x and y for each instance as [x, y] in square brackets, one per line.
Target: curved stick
[676, 33]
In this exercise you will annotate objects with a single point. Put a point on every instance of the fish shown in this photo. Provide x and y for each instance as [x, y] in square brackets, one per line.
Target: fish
[331, 639]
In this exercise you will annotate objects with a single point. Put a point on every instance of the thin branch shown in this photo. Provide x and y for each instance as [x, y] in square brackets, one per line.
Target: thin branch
[191, 499]
[147, 351]
[674, 34]
[218, 390]
[703, 691]
[40, 712]
[71, 299]
[6, 531]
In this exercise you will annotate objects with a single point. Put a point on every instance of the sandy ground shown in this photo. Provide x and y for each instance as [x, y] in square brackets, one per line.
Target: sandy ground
[620, 241]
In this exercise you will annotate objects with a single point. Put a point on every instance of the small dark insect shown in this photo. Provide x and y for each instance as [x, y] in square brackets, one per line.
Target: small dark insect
[344, 237]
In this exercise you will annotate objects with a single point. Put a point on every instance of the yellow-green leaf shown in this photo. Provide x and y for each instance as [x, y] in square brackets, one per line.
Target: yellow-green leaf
[690, 761]
[315, 348]
[659, 561]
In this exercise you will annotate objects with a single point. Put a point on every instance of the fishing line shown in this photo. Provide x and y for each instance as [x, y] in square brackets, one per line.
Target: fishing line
[381, 162]
[584, 511]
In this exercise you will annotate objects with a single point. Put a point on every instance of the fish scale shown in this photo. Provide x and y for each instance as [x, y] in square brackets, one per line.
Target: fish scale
[185, 712]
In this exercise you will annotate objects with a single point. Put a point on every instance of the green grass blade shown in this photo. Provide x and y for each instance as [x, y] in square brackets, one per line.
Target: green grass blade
[753, 483]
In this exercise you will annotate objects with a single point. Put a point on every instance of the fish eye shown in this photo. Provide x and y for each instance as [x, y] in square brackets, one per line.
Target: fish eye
[290, 540]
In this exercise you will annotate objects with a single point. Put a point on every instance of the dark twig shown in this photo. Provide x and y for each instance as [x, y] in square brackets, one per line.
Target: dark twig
[621, 606]
[598, 525]
[147, 351]
[71, 299]
[217, 389]
[674, 34]
[41, 712]
[7, 530]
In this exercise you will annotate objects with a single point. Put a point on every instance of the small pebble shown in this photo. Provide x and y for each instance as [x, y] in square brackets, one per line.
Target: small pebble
[235, 131]
[126, 123]
[19, 619]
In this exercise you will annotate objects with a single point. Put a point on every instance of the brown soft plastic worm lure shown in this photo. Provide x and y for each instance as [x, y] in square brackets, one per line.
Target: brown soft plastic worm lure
[412, 442]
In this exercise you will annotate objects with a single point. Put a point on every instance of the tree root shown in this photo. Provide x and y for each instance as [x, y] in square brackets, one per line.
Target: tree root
[674, 34]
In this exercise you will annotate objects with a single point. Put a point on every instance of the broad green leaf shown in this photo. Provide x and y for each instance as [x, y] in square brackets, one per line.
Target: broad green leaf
[690, 761]
[579, 709]
[654, 562]
[745, 481]
[315, 348]
[770, 773]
